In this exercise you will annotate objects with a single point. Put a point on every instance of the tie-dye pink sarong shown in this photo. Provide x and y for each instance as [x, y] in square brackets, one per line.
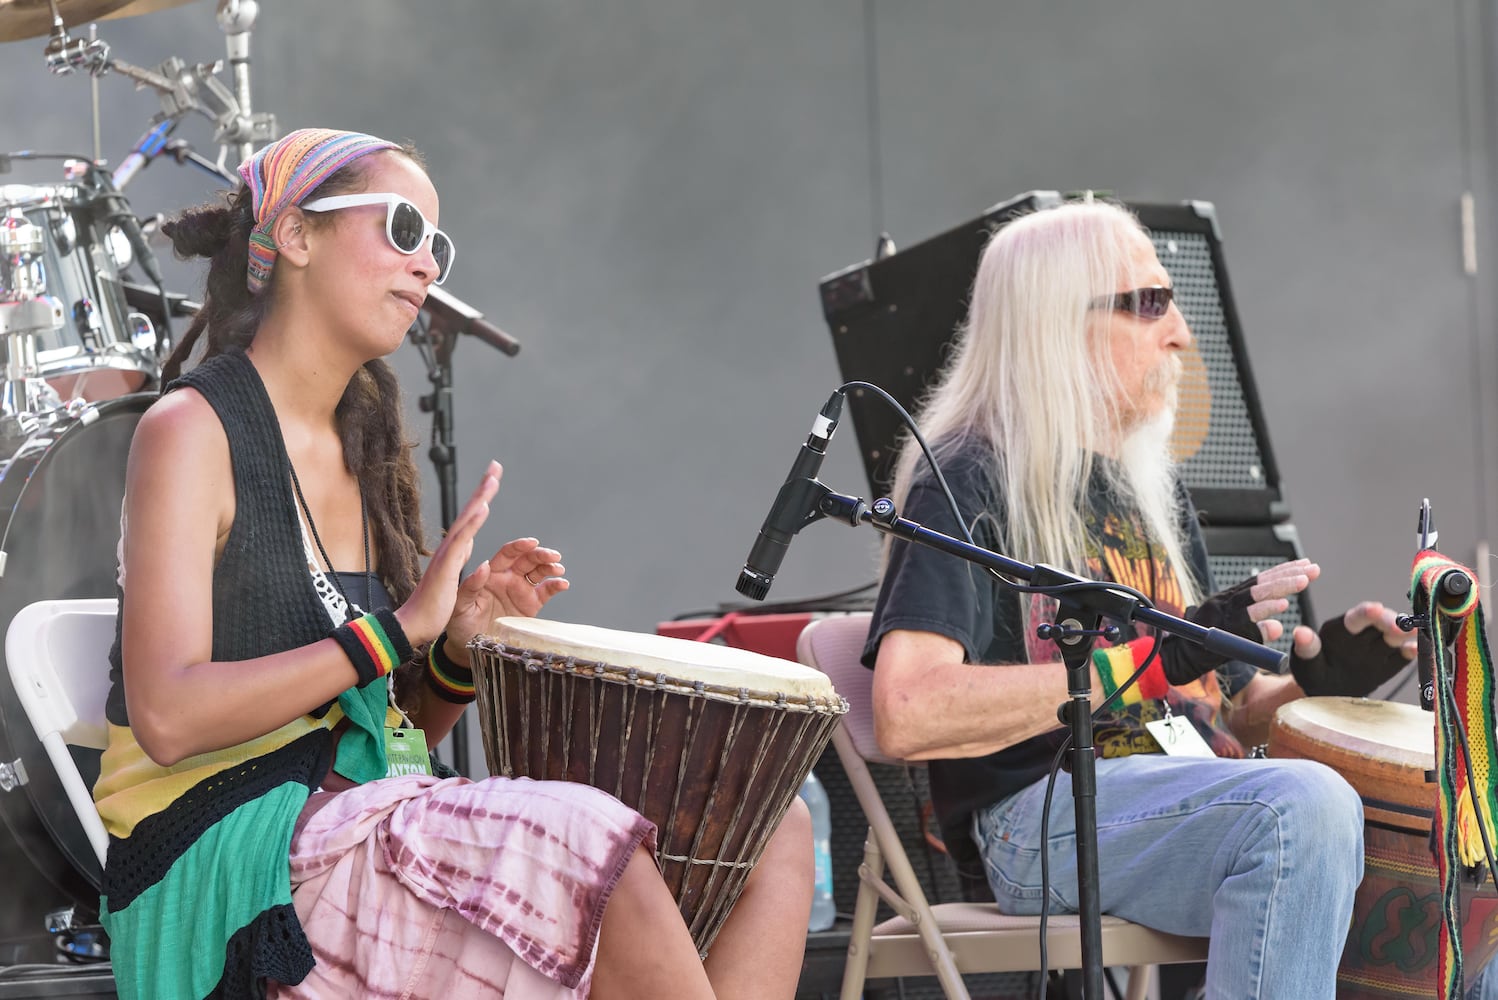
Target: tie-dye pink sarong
[431, 889]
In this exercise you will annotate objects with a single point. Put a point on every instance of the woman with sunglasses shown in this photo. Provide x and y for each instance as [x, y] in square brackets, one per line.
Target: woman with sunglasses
[281, 651]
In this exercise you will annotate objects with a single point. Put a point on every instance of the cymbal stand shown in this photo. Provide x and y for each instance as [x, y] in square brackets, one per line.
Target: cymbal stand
[244, 127]
[180, 87]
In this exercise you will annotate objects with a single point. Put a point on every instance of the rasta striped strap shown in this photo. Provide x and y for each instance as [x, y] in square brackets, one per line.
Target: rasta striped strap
[375, 643]
[1463, 705]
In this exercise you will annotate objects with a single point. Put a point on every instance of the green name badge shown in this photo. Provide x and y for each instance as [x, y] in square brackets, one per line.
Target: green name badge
[406, 752]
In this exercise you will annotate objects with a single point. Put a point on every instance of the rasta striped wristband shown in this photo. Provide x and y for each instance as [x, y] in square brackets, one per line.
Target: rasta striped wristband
[375, 643]
[448, 680]
[1117, 664]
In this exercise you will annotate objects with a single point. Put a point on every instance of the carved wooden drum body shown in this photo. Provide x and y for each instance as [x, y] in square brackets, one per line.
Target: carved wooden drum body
[708, 742]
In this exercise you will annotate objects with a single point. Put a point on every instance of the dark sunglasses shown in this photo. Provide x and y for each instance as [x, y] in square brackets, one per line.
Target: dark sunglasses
[1146, 303]
[405, 227]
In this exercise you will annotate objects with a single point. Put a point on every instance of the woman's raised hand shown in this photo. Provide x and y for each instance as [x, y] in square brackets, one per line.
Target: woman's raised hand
[519, 580]
[426, 612]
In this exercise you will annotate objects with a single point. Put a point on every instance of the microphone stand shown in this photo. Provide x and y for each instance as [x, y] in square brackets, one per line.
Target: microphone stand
[435, 341]
[1079, 615]
[1454, 589]
[435, 336]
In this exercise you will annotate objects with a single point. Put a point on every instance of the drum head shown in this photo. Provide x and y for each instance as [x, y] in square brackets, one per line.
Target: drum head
[60, 497]
[1382, 748]
[682, 659]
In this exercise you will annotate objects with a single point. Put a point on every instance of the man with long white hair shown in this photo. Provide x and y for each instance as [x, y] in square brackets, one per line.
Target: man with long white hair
[1052, 426]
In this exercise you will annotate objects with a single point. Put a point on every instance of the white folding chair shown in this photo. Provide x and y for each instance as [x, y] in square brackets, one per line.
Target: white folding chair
[946, 940]
[58, 656]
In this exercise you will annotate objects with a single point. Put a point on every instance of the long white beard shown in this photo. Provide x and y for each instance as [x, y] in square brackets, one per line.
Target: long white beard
[1145, 474]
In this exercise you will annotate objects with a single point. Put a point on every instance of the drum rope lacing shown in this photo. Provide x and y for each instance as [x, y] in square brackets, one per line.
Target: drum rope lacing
[613, 673]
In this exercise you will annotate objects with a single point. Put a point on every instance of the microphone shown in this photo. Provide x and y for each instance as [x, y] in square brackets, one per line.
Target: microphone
[146, 149]
[794, 508]
[112, 208]
[451, 311]
[1425, 670]
[1428, 537]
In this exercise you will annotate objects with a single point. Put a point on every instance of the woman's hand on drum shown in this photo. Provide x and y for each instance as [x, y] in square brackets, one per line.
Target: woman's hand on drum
[519, 580]
[427, 610]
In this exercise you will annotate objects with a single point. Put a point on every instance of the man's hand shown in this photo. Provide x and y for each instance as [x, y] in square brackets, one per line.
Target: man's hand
[1248, 610]
[1353, 654]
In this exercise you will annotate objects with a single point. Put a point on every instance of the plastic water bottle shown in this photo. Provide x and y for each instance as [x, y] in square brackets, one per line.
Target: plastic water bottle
[823, 909]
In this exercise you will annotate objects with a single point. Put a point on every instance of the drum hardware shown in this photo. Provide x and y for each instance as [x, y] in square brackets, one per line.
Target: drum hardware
[68, 331]
[145, 300]
[12, 775]
[24, 313]
[182, 88]
[63, 920]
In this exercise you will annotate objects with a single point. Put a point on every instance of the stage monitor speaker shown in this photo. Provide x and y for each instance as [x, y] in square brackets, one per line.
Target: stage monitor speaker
[893, 320]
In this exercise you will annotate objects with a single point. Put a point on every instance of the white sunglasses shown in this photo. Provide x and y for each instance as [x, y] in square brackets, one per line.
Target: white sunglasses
[405, 227]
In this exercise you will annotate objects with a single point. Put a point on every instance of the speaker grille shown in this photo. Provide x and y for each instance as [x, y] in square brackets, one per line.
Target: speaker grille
[1229, 457]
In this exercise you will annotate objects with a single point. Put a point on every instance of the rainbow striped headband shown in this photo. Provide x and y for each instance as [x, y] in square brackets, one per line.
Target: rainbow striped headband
[284, 173]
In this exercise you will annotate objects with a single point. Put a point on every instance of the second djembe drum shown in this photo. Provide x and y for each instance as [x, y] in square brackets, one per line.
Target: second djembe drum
[1383, 749]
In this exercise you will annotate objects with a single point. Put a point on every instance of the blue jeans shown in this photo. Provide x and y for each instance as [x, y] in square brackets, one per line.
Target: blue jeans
[1262, 856]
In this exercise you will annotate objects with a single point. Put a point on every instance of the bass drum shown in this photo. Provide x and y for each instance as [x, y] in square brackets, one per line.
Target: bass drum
[60, 497]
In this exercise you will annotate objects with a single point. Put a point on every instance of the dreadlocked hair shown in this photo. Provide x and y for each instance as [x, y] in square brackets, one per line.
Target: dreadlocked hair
[376, 447]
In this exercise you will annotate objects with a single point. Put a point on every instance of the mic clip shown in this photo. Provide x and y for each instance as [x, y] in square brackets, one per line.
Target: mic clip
[1069, 631]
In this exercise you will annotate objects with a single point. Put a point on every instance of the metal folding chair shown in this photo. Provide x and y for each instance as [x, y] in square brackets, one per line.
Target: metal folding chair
[945, 940]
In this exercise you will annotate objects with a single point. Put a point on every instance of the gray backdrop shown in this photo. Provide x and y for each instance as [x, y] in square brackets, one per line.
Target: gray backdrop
[645, 193]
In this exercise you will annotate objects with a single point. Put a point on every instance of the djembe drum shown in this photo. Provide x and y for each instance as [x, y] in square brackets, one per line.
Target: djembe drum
[1383, 749]
[708, 742]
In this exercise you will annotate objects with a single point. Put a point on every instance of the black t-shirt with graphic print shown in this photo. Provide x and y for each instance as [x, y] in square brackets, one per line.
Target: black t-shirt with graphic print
[930, 591]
